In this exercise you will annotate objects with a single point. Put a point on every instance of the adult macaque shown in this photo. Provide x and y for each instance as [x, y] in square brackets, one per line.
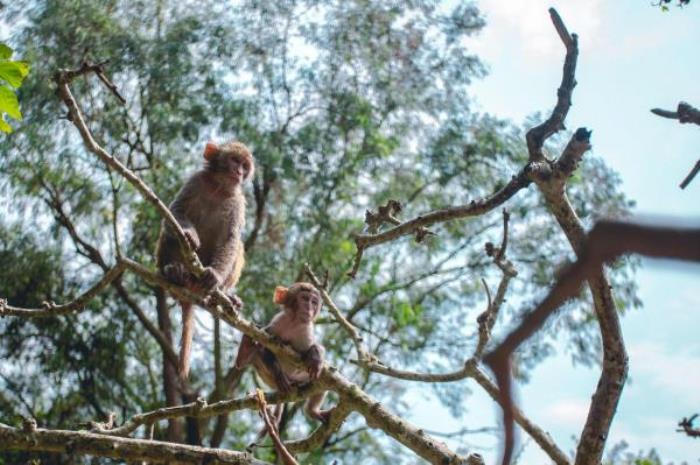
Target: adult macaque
[294, 325]
[210, 208]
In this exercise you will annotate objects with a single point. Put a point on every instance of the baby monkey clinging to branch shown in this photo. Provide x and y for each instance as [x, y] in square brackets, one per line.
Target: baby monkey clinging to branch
[210, 208]
[294, 325]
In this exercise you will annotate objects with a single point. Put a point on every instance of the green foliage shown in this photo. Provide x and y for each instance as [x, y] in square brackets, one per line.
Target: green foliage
[619, 454]
[12, 73]
[663, 4]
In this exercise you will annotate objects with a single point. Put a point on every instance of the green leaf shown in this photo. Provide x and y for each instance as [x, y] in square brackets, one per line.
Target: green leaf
[9, 103]
[14, 72]
[5, 52]
[4, 127]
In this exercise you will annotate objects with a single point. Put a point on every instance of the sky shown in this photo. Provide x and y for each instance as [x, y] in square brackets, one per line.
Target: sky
[632, 57]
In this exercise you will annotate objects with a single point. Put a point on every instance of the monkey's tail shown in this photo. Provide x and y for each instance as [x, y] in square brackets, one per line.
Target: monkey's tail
[186, 340]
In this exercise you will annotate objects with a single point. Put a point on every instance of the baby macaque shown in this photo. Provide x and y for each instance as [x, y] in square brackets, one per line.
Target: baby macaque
[294, 325]
[210, 208]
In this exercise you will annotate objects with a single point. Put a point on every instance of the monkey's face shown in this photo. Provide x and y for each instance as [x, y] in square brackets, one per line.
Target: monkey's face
[231, 165]
[307, 305]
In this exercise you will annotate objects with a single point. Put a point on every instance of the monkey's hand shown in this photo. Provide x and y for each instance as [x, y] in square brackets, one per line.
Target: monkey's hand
[176, 273]
[314, 361]
[209, 279]
[192, 238]
[235, 300]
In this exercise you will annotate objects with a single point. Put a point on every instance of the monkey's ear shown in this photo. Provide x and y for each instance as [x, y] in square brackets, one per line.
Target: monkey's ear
[210, 150]
[280, 295]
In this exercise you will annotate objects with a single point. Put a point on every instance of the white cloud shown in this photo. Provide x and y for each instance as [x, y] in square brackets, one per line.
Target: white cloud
[567, 412]
[527, 24]
[676, 374]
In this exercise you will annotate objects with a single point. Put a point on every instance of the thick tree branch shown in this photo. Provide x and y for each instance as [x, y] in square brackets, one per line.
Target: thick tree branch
[321, 434]
[377, 416]
[85, 443]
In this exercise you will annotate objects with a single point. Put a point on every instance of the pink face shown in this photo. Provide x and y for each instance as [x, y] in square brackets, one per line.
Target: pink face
[231, 165]
[308, 304]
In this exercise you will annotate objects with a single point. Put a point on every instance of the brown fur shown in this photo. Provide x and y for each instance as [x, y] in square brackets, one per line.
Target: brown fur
[210, 208]
[294, 325]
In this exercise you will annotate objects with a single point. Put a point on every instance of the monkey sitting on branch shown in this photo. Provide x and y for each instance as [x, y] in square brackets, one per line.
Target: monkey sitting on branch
[210, 208]
[294, 325]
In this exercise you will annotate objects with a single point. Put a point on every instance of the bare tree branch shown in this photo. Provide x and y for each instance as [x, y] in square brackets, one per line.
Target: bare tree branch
[551, 178]
[685, 113]
[50, 309]
[473, 208]
[63, 79]
[285, 456]
[691, 175]
[321, 434]
[537, 135]
[362, 353]
[686, 426]
[55, 202]
[32, 438]
[200, 409]
[607, 241]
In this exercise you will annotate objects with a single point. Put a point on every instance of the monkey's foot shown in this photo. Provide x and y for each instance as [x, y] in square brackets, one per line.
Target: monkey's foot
[176, 273]
[209, 280]
[236, 301]
[323, 416]
[192, 238]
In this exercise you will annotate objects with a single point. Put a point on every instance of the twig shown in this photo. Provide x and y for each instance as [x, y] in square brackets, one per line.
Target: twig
[63, 78]
[362, 353]
[685, 113]
[115, 215]
[200, 409]
[537, 135]
[287, 458]
[686, 426]
[691, 175]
